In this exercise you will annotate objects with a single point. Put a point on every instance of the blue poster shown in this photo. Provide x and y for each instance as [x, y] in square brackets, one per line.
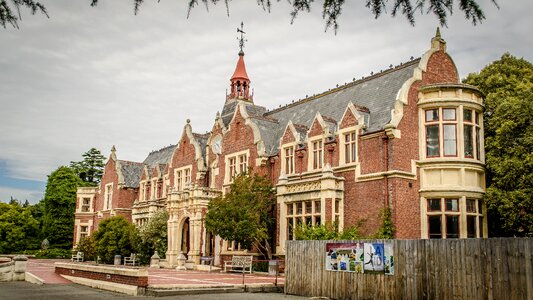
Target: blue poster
[374, 258]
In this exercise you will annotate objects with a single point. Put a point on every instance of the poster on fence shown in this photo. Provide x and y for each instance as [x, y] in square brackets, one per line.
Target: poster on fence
[373, 258]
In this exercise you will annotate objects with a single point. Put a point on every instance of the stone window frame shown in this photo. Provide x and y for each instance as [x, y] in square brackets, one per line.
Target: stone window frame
[284, 147]
[311, 153]
[459, 123]
[85, 208]
[180, 177]
[462, 211]
[293, 214]
[108, 196]
[228, 179]
[342, 147]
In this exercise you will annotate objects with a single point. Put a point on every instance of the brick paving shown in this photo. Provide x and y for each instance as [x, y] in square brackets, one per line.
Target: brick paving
[159, 277]
[44, 269]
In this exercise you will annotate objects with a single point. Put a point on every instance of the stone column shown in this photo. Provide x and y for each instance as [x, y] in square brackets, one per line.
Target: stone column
[195, 235]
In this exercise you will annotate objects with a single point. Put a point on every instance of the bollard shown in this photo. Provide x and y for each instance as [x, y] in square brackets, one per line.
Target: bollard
[117, 260]
[19, 273]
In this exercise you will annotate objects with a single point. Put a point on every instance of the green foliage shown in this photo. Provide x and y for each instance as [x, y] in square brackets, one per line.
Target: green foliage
[59, 207]
[19, 230]
[49, 253]
[508, 87]
[326, 232]
[387, 230]
[245, 214]
[153, 236]
[10, 13]
[115, 236]
[88, 247]
[91, 168]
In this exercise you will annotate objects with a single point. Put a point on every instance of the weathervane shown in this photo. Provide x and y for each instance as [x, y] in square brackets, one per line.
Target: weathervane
[242, 39]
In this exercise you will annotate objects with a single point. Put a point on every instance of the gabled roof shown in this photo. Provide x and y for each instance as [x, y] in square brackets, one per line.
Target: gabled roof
[131, 172]
[161, 156]
[374, 96]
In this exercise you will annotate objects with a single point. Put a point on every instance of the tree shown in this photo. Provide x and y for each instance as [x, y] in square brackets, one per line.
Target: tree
[331, 9]
[508, 87]
[153, 236]
[91, 168]
[115, 236]
[18, 229]
[326, 232]
[245, 214]
[59, 206]
[8, 15]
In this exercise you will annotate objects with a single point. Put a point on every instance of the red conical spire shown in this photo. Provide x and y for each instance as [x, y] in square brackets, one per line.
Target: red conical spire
[240, 83]
[240, 70]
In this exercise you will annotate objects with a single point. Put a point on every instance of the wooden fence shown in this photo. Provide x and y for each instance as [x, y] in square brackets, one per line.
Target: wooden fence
[496, 268]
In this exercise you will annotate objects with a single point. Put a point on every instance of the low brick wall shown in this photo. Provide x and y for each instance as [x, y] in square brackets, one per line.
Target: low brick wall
[134, 277]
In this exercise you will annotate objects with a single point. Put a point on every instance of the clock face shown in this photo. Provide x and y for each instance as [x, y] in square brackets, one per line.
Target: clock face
[216, 145]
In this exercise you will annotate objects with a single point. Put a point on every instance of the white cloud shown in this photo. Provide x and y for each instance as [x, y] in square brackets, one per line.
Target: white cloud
[33, 196]
[94, 77]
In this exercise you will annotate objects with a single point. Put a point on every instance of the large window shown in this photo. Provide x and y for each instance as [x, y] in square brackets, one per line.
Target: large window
[350, 147]
[235, 165]
[442, 135]
[445, 216]
[317, 154]
[471, 132]
[84, 232]
[441, 120]
[302, 212]
[85, 204]
[289, 160]
[182, 178]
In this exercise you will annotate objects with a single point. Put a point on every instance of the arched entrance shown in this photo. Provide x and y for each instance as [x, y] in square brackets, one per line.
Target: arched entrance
[209, 244]
[185, 237]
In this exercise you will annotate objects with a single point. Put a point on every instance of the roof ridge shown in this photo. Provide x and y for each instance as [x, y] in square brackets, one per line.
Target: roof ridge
[346, 85]
[130, 162]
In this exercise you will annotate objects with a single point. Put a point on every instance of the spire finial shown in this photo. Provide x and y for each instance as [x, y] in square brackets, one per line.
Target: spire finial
[437, 35]
[241, 39]
[113, 149]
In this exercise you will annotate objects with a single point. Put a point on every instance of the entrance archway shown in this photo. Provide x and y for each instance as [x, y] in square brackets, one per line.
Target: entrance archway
[185, 237]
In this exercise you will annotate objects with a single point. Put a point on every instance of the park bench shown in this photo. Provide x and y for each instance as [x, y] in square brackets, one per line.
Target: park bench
[132, 260]
[239, 264]
[77, 257]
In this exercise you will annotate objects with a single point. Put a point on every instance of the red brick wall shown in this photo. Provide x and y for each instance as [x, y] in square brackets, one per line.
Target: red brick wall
[239, 137]
[184, 155]
[141, 281]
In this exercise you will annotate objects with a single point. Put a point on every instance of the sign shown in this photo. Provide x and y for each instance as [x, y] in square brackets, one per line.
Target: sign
[370, 258]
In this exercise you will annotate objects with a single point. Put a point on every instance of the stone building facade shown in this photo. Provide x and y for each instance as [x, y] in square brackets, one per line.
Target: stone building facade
[409, 138]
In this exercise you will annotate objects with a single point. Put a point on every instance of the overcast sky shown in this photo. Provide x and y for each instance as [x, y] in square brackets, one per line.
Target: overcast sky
[98, 77]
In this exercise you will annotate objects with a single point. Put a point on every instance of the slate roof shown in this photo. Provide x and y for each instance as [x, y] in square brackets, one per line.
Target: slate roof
[131, 171]
[161, 156]
[202, 141]
[375, 94]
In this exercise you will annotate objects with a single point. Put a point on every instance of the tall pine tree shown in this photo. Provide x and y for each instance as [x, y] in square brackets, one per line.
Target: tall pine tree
[59, 207]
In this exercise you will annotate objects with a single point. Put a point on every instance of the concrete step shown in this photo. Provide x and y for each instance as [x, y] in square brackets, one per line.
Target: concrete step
[162, 292]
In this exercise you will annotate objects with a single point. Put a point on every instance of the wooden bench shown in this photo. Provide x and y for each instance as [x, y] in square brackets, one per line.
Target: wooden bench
[239, 264]
[77, 257]
[131, 260]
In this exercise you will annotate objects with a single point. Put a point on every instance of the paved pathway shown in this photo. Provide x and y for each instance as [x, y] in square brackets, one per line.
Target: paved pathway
[44, 269]
[171, 277]
[20, 290]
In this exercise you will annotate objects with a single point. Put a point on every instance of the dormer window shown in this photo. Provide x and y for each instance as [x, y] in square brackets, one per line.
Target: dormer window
[318, 157]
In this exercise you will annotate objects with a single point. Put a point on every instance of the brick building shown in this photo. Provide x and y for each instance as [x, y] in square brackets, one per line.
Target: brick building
[409, 138]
